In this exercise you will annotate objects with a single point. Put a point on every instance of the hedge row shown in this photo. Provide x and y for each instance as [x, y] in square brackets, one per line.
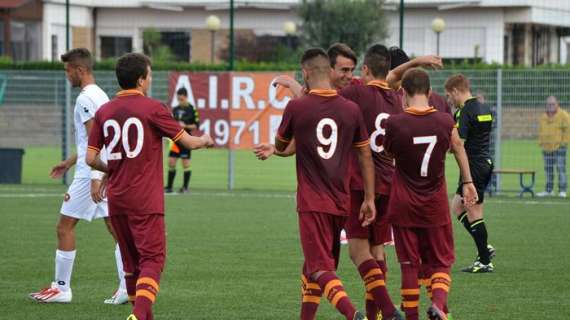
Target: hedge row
[7, 64]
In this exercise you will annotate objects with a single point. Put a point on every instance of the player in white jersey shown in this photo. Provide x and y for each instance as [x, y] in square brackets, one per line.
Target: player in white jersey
[84, 199]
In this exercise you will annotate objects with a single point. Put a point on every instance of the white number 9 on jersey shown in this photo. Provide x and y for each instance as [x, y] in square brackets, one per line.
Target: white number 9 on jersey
[123, 134]
[331, 141]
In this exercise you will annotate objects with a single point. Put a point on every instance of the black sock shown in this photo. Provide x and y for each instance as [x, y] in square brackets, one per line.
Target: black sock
[479, 233]
[463, 219]
[171, 175]
[187, 176]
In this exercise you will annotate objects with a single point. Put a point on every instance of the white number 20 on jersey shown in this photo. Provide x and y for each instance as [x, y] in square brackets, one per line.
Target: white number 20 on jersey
[430, 141]
[123, 135]
[331, 141]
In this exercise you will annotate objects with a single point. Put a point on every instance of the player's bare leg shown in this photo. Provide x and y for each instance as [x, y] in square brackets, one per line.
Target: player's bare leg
[120, 296]
[187, 175]
[171, 174]
[60, 290]
[472, 220]
[373, 277]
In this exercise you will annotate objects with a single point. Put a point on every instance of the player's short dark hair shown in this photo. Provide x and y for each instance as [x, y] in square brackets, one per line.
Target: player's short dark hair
[182, 92]
[79, 57]
[130, 68]
[340, 49]
[416, 81]
[377, 59]
[316, 61]
[397, 57]
[459, 82]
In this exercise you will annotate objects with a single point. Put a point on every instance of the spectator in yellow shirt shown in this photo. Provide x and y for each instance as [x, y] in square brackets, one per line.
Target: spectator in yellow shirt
[553, 138]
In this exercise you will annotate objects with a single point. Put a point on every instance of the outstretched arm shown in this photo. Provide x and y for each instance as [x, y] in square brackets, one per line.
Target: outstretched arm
[265, 150]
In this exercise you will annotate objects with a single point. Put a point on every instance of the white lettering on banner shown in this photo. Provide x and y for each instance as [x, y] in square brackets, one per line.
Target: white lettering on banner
[278, 104]
[254, 129]
[205, 126]
[238, 92]
[222, 132]
[183, 82]
[213, 92]
[274, 122]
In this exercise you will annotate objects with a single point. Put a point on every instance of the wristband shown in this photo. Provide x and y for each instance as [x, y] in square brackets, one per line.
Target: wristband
[96, 175]
[466, 182]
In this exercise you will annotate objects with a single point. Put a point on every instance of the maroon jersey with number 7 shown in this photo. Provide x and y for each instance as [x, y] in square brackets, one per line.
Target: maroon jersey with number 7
[326, 128]
[419, 141]
[131, 127]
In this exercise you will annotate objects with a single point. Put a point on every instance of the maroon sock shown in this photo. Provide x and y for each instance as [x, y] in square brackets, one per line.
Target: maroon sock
[311, 298]
[334, 291]
[131, 284]
[440, 284]
[373, 278]
[410, 291]
[147, 289]
[371, 307]
[384, 267]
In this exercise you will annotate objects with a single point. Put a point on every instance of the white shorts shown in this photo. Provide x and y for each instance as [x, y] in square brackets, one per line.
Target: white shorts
[78, 203]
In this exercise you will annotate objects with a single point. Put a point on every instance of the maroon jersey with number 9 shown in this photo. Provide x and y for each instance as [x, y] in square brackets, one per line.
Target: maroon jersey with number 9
[419, 142]
[326, 127]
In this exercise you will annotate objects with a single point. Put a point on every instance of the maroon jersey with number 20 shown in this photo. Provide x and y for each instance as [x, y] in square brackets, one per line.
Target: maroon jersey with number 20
[131, 128]
[419, 141]
[326, 127]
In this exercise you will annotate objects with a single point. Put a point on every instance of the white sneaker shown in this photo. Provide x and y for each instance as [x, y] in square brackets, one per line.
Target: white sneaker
[545, 194]
[562, 194]
[119, 297]
[52, 295]
[343, 238]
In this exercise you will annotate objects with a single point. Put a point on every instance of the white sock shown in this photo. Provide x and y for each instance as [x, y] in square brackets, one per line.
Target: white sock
[120, 270]
[63, 268]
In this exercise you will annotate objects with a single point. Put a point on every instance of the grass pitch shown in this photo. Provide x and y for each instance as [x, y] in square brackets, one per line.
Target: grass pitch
[237, 255]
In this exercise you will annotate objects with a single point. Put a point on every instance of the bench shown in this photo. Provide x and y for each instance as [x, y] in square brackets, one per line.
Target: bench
[525, 188]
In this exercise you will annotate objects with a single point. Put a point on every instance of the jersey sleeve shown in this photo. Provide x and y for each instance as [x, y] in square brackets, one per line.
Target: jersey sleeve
[96, 139]
[85, 108]
[164, 123]
[285, 131]
[464, 122]
[196, 116]
[361, 138]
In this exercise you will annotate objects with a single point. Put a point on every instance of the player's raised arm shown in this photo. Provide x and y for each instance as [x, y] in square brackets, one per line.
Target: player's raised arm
[395, 76]
[469, 191]
[288, 82]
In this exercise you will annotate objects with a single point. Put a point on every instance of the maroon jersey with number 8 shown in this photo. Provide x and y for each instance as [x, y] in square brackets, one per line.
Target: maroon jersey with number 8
[419, 141]
[131, 128]
[326, 127]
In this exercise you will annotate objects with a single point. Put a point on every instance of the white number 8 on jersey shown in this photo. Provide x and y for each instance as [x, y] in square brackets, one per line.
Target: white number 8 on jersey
[331, 141]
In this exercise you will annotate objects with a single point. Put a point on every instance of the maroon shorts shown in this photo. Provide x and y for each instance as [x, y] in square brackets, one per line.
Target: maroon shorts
[432, 247]
[379, 232]
[320, 240]
[141, 240]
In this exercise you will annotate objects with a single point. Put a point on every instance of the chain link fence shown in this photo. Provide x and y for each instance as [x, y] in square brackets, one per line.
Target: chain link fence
[32, 118]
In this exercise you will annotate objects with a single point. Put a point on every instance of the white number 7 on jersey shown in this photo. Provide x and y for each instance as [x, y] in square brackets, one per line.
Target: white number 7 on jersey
[431, 140]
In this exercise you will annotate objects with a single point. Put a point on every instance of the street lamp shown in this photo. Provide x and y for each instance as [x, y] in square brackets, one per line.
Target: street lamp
[289, 27]
[438, 25]
[213, 24]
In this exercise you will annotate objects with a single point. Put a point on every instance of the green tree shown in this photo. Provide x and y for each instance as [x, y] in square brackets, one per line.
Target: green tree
[358, 23]
[153, 47]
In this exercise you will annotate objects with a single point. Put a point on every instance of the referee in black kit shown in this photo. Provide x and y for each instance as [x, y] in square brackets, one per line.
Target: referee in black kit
[474, 123]
[187, 117]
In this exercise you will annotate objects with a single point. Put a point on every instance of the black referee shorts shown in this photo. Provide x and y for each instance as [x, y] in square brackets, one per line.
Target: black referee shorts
[181, 153]
[481, 172]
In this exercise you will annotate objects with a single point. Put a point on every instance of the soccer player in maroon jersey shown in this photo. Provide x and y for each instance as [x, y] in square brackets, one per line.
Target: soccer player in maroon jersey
[326, 128]
[131, 127]
[419, 139]
[377, 102]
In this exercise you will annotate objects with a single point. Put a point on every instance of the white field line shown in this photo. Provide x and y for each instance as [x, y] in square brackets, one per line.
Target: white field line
[272, 196]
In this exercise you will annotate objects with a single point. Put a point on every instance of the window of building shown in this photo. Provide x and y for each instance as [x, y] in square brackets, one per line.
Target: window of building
[112, 47]
[179, 44]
